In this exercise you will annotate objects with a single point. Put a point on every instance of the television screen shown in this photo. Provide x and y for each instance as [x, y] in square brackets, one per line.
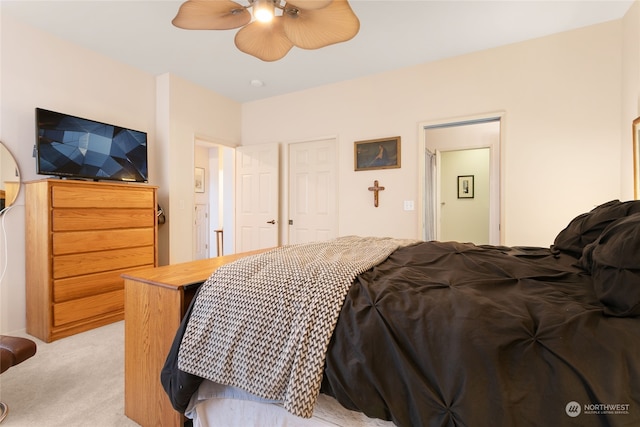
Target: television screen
[74, 147]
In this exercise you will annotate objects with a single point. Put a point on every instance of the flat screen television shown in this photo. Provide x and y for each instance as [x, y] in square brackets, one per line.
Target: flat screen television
[73, 147]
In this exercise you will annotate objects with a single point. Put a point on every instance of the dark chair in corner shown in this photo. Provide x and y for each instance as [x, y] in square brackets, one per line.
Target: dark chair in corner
[13, 350]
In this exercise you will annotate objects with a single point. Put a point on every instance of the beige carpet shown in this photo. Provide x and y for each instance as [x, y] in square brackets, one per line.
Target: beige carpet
[75, 381]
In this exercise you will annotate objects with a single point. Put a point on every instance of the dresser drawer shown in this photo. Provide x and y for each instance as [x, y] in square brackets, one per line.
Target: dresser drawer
[90, 284]
[101, 261]
[84, 309]
[101, 219]
[97, 196]
[89, 241]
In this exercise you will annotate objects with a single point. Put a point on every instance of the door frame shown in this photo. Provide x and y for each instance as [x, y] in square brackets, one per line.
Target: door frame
[496, 209]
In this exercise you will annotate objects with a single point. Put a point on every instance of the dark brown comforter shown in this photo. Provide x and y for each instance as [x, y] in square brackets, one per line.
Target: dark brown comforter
[452, 334]
[449, 334]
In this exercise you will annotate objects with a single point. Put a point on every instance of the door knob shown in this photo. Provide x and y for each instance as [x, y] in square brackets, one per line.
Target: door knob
[273, 221]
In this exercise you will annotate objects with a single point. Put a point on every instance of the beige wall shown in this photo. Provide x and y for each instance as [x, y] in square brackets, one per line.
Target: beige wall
[39, 70]
[561, 97]
[194, 113]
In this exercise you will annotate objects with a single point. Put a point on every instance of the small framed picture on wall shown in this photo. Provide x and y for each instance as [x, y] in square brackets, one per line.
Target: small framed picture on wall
[199, 180]
[465, 187]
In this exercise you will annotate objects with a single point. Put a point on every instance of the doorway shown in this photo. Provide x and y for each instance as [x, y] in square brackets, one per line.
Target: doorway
[458, 153]
[213, 222]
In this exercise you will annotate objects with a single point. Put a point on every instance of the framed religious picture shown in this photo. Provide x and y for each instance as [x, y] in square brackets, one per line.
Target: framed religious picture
[383, 153]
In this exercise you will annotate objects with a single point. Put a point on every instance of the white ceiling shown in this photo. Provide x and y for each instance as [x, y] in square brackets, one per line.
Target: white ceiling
[393, 34]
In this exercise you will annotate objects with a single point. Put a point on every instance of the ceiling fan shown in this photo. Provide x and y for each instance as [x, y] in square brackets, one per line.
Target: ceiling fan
[307, 24]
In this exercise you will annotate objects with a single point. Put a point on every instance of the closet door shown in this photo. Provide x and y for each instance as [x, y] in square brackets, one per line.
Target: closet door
[257, 197]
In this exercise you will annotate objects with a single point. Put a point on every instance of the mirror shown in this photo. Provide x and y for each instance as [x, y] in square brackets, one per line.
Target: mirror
[9, 178]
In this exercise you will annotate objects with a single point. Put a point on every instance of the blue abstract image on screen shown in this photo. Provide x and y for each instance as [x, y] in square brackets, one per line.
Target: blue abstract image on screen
[75, 147]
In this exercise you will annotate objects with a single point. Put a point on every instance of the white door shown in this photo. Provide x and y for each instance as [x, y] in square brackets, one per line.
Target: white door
[257, 197]
[313, 189]
[201, 232]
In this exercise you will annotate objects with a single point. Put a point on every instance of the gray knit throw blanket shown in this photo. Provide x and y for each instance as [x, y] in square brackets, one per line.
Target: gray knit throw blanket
[263, 323]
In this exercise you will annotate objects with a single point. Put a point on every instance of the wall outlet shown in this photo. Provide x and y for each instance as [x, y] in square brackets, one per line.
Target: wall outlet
[408, 205]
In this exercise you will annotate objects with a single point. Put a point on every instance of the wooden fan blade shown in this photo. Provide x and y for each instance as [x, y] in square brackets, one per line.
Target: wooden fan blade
[313, 29]
[264, 40]
[309, 4]
[211, 15]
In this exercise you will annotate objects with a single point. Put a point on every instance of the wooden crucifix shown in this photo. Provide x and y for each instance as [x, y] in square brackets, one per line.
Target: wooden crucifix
[376, 188]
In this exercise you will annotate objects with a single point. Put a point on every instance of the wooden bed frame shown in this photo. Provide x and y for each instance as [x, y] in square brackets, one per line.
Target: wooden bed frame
[155, 301]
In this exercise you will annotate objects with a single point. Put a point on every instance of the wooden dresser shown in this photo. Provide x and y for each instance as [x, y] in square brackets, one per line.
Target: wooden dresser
[156, 300]
[80, 237]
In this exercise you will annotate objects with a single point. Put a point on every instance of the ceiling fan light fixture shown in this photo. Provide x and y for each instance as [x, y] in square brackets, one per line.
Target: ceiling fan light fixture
[264, 10]
[307, 24]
